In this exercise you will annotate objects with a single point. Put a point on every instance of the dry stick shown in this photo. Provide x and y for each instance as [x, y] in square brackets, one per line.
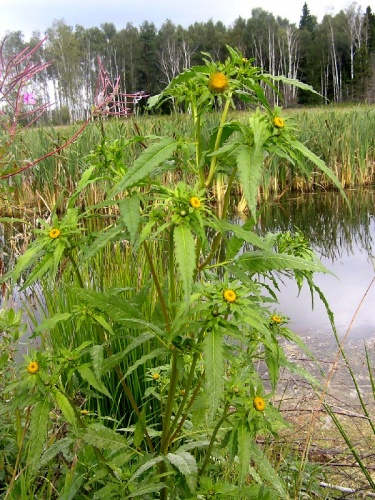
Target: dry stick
[315, 413]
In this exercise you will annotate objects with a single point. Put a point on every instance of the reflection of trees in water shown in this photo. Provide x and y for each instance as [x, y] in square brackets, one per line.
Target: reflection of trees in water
[14, 238]
[326, 220]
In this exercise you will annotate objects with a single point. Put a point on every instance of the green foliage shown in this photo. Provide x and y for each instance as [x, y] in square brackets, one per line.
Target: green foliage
[156, 313]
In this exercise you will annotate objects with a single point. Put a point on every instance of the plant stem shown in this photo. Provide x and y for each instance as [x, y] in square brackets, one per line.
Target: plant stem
[164, 443]
[184, 417]
[189, 384]
[158, 287]
[213, 437]
[223, 119]
[76, 269]
[169, 405]
[18, 459]
[172, 283]
[198, 146]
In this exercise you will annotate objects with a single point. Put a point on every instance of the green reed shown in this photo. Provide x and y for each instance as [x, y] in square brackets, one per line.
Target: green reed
[341, 136]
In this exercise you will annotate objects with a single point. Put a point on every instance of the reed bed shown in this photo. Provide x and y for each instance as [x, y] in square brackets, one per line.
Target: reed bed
[342, 137]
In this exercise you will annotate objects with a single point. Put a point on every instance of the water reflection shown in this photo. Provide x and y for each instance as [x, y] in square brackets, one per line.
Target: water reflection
[344, 240]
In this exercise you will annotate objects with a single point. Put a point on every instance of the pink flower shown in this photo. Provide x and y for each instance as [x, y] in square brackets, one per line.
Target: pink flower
[29, 98]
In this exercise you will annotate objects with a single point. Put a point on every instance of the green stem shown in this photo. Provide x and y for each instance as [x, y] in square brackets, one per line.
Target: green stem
[198, 146]
[158, 287]
[18, 459]
[172, 283]
[224, 116]
[213, 437]
[169, 405]
[76, 269]
[187, 389]
[184, 417]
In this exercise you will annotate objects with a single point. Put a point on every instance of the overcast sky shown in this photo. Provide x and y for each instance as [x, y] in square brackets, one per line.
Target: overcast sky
[38, 15]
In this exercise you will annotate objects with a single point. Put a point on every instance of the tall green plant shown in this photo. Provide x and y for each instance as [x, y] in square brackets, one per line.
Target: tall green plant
[192, 322]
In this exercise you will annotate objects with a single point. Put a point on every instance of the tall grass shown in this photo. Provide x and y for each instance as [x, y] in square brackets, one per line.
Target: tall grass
[342, 137]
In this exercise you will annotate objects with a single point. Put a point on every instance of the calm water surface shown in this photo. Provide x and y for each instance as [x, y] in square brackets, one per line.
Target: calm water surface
[344, 241]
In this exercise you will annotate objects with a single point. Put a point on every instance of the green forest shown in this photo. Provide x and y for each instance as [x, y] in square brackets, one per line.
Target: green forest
[336, 56]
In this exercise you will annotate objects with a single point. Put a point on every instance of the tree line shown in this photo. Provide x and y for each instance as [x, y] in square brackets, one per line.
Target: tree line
[336, 56]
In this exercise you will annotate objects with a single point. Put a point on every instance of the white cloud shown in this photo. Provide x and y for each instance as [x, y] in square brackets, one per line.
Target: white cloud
[39, 15]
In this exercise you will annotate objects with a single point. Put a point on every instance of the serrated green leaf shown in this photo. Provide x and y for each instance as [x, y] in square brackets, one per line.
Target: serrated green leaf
[244, 235]
[25, 260]
[117, 308]
[50, 323]
[244, 439]
[185, 257]
[66, 408]
[213, 360]
[103, 438]
[140, 428]
[131, 215]
[115, 359]
[291, 81]
[146, 357]
[143, 491]
[187, 466]
[85, 180]
[321, 165]
[39, 270]
[97, 358]
[267, 471]
[273, 365]
[259, 262]
[60, 446]
[38, 427]
[88, 375]
[146, 466]
[250, 168]
[112, 234]
[58, 254]
[146, 162]
[12, 220]
[102, 322]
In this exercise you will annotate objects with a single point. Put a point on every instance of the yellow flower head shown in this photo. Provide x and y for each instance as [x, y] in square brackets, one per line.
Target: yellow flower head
[195, 202]
[229, 295]
[259, 403]
[276, 319]
[85, 412]
[218, 83]
[278, 122]
[54, 233]
[33, 367]
[155, 376]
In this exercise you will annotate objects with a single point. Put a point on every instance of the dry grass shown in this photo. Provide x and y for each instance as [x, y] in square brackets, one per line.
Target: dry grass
[314, 435]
